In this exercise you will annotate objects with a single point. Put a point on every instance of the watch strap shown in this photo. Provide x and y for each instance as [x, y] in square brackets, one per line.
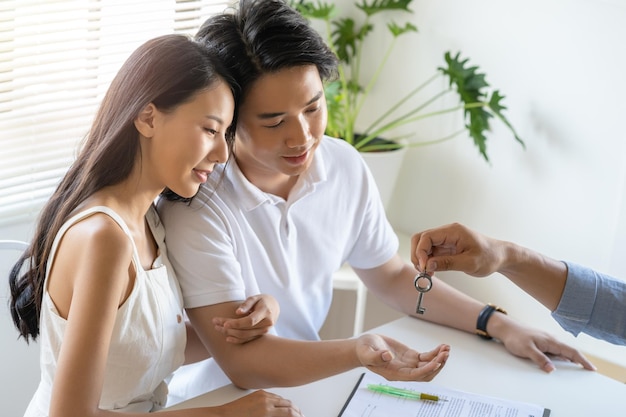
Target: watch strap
[483, 318]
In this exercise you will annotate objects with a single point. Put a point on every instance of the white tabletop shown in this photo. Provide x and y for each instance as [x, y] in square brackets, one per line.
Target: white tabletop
[475, 365]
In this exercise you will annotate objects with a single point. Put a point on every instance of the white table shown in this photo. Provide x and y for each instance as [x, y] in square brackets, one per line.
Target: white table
[475, 365]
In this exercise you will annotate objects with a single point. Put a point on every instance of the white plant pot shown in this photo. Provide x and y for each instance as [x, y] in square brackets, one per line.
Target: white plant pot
[385, 167]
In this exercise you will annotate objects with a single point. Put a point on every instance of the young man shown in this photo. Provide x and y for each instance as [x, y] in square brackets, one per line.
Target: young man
[292, 205]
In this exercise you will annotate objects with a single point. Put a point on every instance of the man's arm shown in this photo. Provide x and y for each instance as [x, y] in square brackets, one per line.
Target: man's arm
[393, 283]
[271, 361]
[455, 247]
[264, 362]
[581, 299]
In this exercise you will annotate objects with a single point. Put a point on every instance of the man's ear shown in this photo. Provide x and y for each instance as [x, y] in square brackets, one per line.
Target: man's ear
[144, 122]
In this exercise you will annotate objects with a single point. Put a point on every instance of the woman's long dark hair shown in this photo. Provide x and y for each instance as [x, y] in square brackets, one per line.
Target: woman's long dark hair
[166, 71]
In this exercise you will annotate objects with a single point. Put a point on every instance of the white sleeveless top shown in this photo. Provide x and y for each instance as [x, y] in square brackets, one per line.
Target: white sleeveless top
[148, 341]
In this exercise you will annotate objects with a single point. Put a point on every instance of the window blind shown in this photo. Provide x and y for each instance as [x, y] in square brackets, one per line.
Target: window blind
[57, 58]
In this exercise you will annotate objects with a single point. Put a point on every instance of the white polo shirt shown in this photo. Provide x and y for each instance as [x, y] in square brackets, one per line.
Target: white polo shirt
[241, 241]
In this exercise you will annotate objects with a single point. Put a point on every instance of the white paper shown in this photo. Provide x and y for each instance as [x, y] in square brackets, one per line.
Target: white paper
[366, 403]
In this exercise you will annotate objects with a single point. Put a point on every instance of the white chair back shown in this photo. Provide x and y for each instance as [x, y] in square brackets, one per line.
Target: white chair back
[17, 245]
[19, 367]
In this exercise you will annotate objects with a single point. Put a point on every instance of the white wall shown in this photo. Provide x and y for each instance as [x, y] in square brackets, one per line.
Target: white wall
[560, 65]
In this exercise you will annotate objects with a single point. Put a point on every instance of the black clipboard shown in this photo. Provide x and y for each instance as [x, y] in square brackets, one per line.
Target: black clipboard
[356, 387]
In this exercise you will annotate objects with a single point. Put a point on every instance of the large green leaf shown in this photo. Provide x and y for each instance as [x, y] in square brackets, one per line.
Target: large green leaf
[336, 108]
[497, 108]
[315, 10]
[346, 37]
[470, 86]
[377, 6]
[400, 30]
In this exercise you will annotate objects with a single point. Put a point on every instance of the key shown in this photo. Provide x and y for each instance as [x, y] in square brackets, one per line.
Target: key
[422, 288]
[420, 309]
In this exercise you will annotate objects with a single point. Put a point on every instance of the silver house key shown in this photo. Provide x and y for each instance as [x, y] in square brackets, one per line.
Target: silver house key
[423, 283]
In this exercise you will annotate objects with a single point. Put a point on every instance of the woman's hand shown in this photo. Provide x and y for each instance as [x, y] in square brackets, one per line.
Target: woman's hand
[259, 313]
[397, 362]
[258, 404]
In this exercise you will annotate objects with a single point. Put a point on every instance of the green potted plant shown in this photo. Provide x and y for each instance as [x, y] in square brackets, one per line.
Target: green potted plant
[346, 95]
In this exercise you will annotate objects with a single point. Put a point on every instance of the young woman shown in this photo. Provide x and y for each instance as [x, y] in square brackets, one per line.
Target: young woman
[96, 287]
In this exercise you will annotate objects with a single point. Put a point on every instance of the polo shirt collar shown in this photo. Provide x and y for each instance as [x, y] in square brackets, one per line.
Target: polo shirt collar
[251, 197]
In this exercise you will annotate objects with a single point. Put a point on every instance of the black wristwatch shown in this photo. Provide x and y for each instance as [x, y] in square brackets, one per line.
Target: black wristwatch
[483, 318]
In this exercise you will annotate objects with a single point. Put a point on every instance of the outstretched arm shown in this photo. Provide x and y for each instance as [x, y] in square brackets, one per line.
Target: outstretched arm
[393, 283]
[581, 299]
[456, 247]
[271, 361]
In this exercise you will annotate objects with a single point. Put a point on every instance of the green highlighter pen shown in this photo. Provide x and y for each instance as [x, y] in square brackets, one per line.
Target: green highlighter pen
[404, 393]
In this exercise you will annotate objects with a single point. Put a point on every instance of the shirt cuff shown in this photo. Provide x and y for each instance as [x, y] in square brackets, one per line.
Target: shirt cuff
[577, 302]
[203, 300]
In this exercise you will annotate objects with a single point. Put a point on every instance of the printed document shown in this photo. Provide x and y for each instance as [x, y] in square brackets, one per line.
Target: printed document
[453, 403]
